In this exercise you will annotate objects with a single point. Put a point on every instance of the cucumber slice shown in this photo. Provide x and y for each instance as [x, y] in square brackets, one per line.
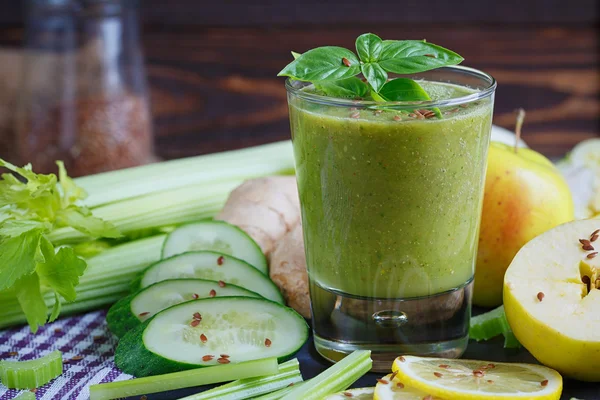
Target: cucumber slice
[136, 308]
[231, 329]
[216, 236]
[31, 374]
[212, 266]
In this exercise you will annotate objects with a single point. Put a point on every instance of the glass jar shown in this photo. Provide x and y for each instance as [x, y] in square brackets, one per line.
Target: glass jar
[83, 96]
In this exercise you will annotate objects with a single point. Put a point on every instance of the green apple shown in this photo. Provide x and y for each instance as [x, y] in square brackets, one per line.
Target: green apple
[552, 299]
[525, 195]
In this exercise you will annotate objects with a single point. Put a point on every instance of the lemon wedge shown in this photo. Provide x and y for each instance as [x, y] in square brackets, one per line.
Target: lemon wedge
[478, 380]
[390, 387]
[354, 394]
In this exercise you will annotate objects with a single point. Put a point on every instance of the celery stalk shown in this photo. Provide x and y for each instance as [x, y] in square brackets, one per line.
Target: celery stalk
[289, 373]
[31, 374]
[205, 170]
[281, 392]
[158, 209]
[178, 380]
[336, 378]
[488, 325]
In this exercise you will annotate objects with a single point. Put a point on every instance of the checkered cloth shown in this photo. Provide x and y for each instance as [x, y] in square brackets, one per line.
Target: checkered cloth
[87, 347]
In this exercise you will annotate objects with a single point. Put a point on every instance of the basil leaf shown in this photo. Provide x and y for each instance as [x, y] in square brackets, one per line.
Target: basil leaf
[368, 47]
[412, 56]
[375, 75]
[349, 88]
[403, 89]
[323, 63]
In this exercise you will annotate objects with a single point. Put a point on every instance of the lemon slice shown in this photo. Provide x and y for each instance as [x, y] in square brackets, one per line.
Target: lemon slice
[391, 388]
[478, 380]
[354, 394]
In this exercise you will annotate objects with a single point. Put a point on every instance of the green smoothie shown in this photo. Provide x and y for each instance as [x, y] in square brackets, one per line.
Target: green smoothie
[391, 200]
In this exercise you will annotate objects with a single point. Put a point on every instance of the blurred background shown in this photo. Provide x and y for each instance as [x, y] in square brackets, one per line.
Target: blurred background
[211, 68]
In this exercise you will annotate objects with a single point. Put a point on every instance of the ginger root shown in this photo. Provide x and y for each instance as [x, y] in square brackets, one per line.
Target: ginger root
[265, 208]
[268, 209]
[287, 266]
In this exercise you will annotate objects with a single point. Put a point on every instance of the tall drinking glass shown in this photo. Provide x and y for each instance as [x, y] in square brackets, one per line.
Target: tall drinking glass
[391, 198]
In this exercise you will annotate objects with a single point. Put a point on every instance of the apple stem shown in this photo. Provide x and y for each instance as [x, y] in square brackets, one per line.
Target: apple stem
[520, 120]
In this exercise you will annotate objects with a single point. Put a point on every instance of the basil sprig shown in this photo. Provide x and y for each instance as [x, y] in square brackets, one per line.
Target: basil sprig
[333, 69]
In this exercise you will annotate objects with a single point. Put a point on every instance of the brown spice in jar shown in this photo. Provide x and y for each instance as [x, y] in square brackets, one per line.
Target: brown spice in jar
[91, 135]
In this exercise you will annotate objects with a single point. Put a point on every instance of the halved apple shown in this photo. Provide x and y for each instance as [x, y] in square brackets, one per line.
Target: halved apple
[552, 298]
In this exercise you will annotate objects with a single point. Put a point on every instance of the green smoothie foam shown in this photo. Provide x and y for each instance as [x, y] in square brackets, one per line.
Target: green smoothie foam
[391, 202]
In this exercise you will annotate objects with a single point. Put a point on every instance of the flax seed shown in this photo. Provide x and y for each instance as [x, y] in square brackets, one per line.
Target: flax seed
[13, 353]
[588, 247]
[397, 118]
[594, 238]
[220, 260]
[267, 342]
[490, 381]
[224, 355]
[439, 375]
[544, 382]
[401, 358]
[355, 114]
[207, 357]
[57, 330]
[597, 231]
[203, 338]
[195, 323]
[584, 241]
[77, 358]
[223, 361]
[221, 284]
[445, 366]
[592, 255]
[478, 373]
[382, 381]
[491, 366]
[540, 296]
[400, 385]
[393, 375]
[143, 314]
[348, 394]
[212, 293]
[195, 296]
[197, 315]
[346, 62]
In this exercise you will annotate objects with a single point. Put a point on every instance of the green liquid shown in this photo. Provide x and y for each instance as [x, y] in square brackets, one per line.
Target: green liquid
[391, 208]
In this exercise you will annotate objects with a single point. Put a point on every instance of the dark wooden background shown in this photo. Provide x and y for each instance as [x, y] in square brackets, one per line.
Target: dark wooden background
[212, 65]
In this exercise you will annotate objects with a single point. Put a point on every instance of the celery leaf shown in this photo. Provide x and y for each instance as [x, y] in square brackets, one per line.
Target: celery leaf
[55, 308]
[31, 300]
[62, 272]
[15, 227]
[18, 257]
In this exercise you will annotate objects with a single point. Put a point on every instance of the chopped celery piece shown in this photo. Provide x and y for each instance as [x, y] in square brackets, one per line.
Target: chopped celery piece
[179, 380]
[488, 325]
[25, 396]
[336, 378]
[31, 374]
[289, 373]
[281, 392]
[510, 340]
